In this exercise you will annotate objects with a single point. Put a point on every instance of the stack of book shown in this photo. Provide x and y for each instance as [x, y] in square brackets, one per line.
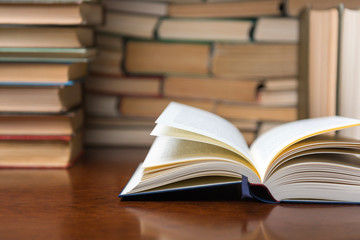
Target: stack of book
[105, 86]
[44, 49]
[237, 59]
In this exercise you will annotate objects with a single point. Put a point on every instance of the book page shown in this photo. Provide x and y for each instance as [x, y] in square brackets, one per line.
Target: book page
[324, 177]
[166, 131]
[268, 146]
[201, 122]
[167, 151]
[172, 159]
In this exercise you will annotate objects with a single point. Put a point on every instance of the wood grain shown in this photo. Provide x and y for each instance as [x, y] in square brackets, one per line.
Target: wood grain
[82, 203]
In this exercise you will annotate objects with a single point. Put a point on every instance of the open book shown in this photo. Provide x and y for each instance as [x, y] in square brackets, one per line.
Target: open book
[302, 160]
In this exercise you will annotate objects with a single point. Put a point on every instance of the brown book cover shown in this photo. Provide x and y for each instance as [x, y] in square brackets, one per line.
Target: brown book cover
[226, 9]
[166, 57]
[224, 30]
[45, 99]
[256, 112]
[152, 107]
[132, 25]
[46, 37]
[35, 124]
[40, 151]
[51, 14]
[101, 105]
[129, 86]
[211, 88]
[41, 72]
[255, 60]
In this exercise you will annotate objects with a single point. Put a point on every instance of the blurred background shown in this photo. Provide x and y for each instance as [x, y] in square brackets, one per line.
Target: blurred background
[101, 72]
[237, 59]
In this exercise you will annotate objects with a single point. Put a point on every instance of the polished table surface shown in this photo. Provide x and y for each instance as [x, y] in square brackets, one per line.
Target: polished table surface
[82, 203]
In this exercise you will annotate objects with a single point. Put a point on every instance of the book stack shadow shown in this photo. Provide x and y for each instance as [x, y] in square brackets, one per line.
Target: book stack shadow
[44, 51]
[237, 59]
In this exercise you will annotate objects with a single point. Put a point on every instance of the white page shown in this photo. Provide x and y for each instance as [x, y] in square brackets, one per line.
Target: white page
[205, 123]
[271, 143]
[167, 150]
[134, 180]
[166, 131]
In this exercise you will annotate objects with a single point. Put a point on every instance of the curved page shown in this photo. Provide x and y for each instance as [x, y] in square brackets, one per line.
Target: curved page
[166, 131]
[201, 122]
[268, 146]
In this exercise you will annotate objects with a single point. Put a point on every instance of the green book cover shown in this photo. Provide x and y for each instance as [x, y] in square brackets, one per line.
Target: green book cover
[47, 54]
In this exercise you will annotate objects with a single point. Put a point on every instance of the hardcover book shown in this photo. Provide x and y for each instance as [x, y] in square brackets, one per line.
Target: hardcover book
[256, 112]
[205, 30]
[124, 85]
[152, 107]
[254, 60]
[138, 7]
[50, 14]
[294, 7]
[282, 30]
[211, 88]
[107, 61]
[51, 55]
[40, 98]
[132, 25]
[348, 79]
[39, 124]
[46, 37]
[318, 62]
[41, 73]
[144, 57]
[297, 161]
[101, 105]
[39, 151]
[226, 9]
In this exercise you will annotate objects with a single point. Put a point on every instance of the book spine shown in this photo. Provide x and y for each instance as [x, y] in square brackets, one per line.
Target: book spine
[303, 95]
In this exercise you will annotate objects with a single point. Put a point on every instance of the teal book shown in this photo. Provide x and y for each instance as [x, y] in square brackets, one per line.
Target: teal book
[302, 160]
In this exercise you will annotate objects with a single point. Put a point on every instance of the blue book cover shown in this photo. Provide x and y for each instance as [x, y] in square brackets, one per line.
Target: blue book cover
[40, 84]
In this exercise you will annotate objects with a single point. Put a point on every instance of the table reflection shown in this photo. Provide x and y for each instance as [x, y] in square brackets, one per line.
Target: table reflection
[27, 204]
[315, 221]
[271, 221]
[200, 221]
[35, 181]
[82, 203]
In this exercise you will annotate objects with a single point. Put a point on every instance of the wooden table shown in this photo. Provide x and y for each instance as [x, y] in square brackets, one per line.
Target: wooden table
[82, 203]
